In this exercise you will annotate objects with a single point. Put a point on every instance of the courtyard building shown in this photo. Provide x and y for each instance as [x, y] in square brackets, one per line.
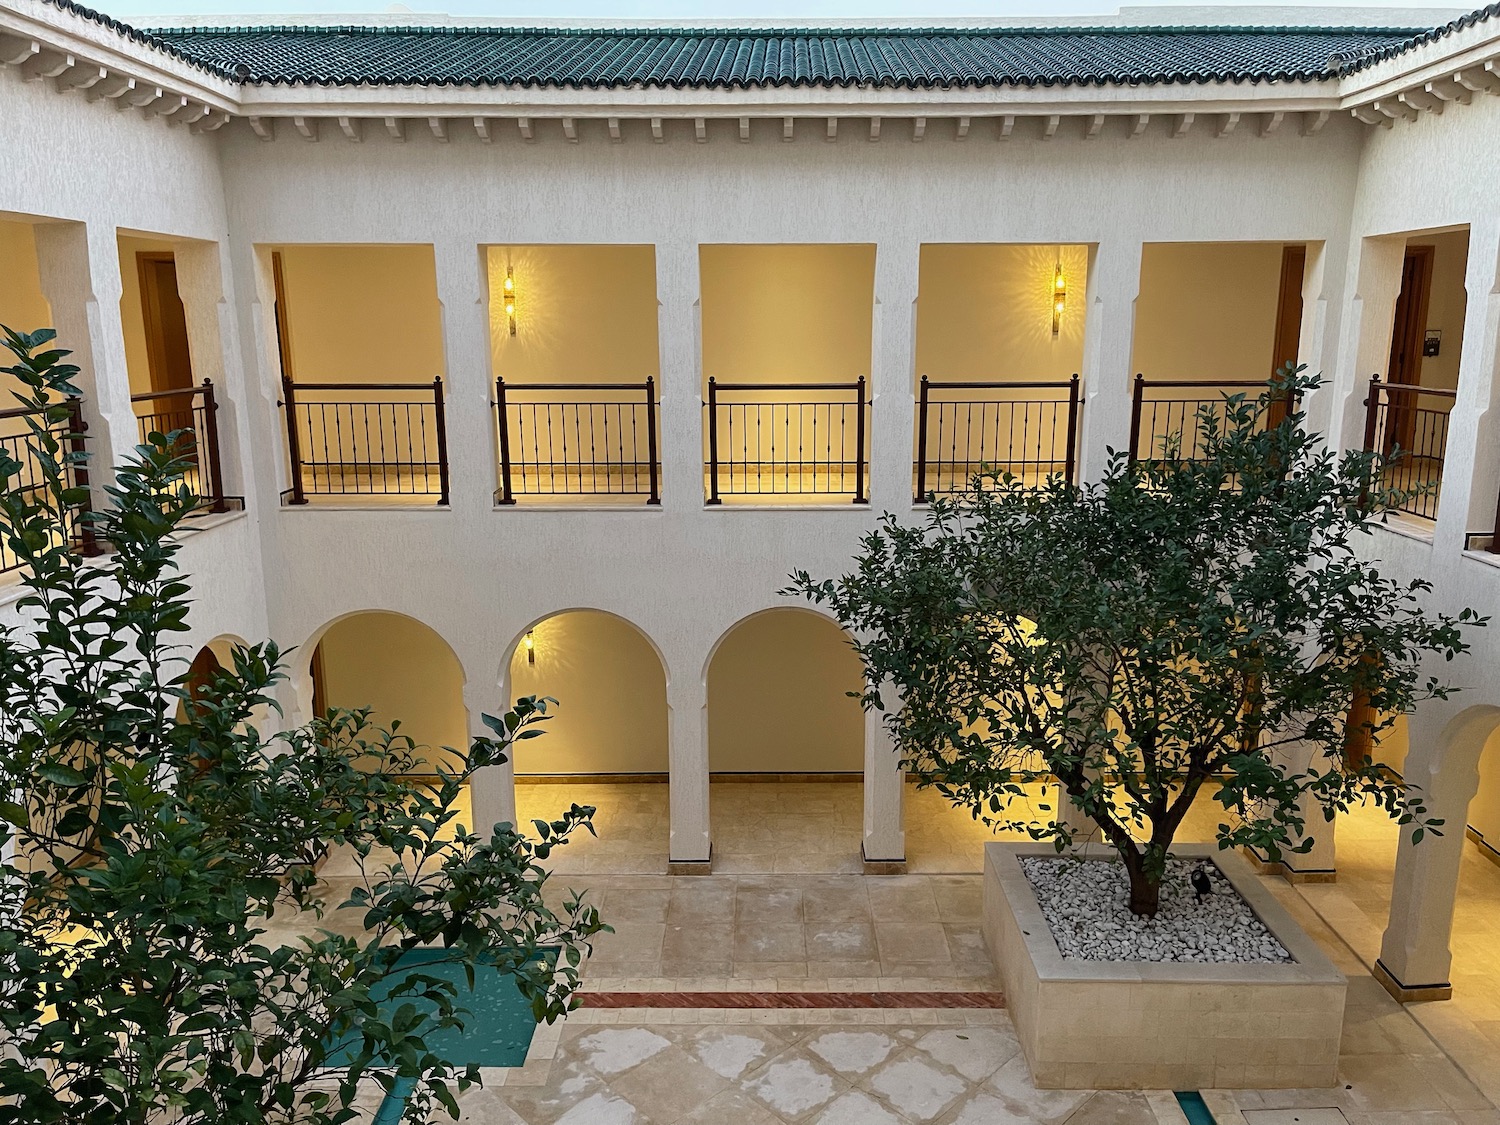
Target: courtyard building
[531, 359]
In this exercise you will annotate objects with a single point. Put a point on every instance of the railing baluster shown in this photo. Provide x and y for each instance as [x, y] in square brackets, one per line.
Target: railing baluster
[859, 441]
[921, 492]
[713, 441]
[1072, 428]
[655, 497]
[502, 412]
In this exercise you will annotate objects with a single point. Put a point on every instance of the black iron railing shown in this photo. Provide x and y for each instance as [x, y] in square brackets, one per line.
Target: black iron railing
[1029, 430]
[1166, 415]
[599, 440]
[787, 439]
[366, 439]
[1409, 426]
[17, 440]
[193, 415]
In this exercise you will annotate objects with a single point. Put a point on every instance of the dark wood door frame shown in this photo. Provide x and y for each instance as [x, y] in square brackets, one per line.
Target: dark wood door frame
[1408, 327]
[1287, 345]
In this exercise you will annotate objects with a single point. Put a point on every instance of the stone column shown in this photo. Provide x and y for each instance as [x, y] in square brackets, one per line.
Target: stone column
[492, 790]
[884, 843]
[892, 376]
[1470, 434]
[1317, 865]
[1443, 766]
[680, 385]
[1113, 283]
[689, 851]
[463, 293]
[80, 277]
[1368, 334]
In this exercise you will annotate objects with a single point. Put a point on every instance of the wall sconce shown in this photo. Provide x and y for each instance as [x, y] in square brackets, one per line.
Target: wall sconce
[510, 316]
[1059, 298]
[530, 643]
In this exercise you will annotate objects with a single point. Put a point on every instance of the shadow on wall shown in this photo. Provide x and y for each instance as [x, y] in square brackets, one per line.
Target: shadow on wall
[778, 700]
[611, 689]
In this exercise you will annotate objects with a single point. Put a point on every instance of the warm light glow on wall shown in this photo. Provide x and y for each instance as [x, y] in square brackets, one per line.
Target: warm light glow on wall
[530, 644]
[510, 316]
[1059, 298]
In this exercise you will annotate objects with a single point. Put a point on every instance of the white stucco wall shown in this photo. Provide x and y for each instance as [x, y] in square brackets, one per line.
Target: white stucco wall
[860, 212]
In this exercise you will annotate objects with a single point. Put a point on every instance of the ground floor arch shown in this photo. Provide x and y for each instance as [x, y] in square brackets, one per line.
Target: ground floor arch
[403, 671]
[786, 745]
[607, 737]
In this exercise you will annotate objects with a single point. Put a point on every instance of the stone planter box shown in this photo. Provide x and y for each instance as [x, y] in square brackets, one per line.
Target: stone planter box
[1135, 1025]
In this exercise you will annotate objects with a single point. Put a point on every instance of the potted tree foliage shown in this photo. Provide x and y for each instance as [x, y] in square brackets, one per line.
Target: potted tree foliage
[1187, 628]
[149, 832]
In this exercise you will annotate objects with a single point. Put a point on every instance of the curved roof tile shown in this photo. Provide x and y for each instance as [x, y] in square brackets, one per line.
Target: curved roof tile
[728, 58]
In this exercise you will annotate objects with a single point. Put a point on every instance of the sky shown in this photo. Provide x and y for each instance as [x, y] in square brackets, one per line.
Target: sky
[850, 11]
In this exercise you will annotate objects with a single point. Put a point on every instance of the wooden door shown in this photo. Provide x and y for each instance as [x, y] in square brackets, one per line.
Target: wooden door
[1288, 319]
[167, 352]
[1405, 366]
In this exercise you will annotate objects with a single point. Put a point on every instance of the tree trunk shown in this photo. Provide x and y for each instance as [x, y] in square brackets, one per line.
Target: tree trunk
[1145, 892]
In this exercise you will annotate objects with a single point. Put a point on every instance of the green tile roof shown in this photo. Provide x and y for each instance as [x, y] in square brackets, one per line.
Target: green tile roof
[738, 58]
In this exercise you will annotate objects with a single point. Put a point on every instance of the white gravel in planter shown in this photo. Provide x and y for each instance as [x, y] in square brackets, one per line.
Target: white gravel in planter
[1086, 903]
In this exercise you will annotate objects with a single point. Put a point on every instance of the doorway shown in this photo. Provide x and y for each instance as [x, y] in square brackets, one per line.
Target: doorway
[167, 354]
[1407, 332]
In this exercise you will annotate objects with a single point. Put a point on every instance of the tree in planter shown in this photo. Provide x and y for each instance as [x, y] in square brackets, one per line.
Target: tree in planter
[1181, 623]
[142, 857]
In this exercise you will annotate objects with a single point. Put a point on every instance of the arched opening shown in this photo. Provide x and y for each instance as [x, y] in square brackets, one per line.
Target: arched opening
[400, 669]
[606, 741]
[785, 744]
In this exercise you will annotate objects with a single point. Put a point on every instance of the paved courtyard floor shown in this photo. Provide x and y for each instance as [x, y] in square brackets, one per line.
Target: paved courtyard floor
[775, 931]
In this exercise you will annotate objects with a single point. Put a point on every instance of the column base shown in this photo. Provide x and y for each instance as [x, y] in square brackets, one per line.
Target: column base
[1291, 874]
[1407, 993]
[882, 866]
[692, 866]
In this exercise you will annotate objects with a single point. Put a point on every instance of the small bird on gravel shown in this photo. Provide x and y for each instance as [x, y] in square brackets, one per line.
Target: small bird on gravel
[1200, 881]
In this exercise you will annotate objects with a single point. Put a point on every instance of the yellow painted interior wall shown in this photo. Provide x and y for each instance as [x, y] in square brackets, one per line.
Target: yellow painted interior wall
[777, 698]
[1446, 303]
[779, 313]
[584, 314]
[22, 306]
[984, 312]
[402, 670]
[611, 693]
[132, 319]
[1484, 809]
[363, 314]
[1207, 310]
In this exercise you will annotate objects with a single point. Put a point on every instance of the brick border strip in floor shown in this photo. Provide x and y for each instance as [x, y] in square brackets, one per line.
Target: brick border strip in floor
[765, 1000]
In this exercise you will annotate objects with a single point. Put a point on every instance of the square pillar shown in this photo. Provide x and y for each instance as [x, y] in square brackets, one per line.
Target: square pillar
[884, 839]
[463, 292]
[681, 417]
[893, 355]
[1114, 281]
[1443, 765]
[689, 851]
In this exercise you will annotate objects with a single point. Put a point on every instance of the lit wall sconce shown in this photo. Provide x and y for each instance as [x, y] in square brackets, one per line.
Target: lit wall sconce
[1059, 298]
[530, 643]
[510, 316]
